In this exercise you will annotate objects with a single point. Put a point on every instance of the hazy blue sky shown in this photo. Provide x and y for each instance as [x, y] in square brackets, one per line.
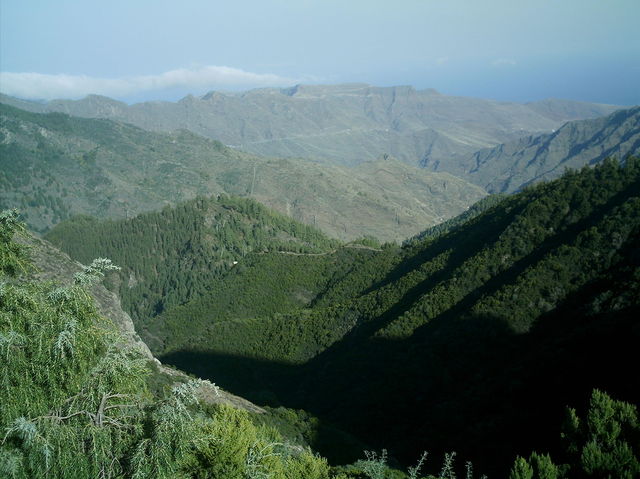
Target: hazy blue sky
[162, 49]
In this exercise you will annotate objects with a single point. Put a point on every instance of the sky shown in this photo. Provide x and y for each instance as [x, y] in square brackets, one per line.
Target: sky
[138, 50]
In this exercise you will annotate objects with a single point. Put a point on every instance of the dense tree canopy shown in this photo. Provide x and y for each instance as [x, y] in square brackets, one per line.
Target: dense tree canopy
[486, 328]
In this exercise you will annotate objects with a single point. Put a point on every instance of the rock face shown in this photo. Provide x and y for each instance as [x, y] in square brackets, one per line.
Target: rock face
[53, 264]
[344, 124]
[509, 167]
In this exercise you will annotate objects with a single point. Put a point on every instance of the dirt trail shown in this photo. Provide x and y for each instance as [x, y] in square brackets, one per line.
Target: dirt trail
[351, 246]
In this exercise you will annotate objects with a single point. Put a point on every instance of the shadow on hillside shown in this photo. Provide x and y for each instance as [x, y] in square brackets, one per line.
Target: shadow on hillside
[254, 379]
[464, 241]
[461, 382]
[468, 384]
[379, 391]
[270, 384]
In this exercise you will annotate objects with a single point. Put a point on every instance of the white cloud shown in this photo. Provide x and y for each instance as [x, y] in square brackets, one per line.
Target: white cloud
[47, 87]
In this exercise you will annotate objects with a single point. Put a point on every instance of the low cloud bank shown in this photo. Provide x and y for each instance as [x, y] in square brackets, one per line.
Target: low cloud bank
[47, 87]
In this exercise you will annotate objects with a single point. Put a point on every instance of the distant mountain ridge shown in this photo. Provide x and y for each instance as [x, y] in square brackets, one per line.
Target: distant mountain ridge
[343, 124]
[508, 167]
[53, 166]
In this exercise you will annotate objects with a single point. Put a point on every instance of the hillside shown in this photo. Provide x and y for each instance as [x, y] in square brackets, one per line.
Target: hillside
[344, 124]
[509, 167]
[51, 264]
[77, 401]
[53, 166]
[472, 328]
[476, 330]
[242, 312]
[171, 256]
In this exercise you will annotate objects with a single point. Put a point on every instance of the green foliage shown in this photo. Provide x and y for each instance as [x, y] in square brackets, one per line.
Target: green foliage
[298, 426]
[374, 466]
[13, 256]
[173, 255]
[75, 404]
[234, 449]
[368, 241]
[69, 395]
[605, 445]
[306, 465]
[457, 323]
[241, 313]
[543, 467]
[607, 441]
[94, 272]
[521, 469]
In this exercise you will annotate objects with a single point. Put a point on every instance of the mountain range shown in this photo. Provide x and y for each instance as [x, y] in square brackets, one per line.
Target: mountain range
[118, 170]
[342, 124]
[54, 166]
[511, 166]
[472, 336]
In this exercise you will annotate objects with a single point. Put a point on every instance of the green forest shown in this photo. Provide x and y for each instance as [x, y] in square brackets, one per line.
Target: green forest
[77, 403]
[172, 255]
[487, 326]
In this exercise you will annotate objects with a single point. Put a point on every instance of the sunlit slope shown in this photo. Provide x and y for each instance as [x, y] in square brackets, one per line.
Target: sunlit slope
[54, 166]
[343, 124]
[511, 166]
[171, 255]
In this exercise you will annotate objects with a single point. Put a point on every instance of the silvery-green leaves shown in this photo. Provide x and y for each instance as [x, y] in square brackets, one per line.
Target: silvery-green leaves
[94, 272]
[66, 339]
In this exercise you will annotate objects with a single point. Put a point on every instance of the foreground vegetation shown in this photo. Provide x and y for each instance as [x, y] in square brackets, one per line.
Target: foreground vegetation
[75, 402]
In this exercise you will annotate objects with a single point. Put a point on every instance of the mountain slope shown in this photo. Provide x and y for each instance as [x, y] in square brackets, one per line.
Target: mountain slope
[75, 400]
[54, 166]
[242, 312]
[465, 333]
[53, 265]
[511, 166]
[505, 247]
[171, 256]
[345, 124]
[475, 335]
